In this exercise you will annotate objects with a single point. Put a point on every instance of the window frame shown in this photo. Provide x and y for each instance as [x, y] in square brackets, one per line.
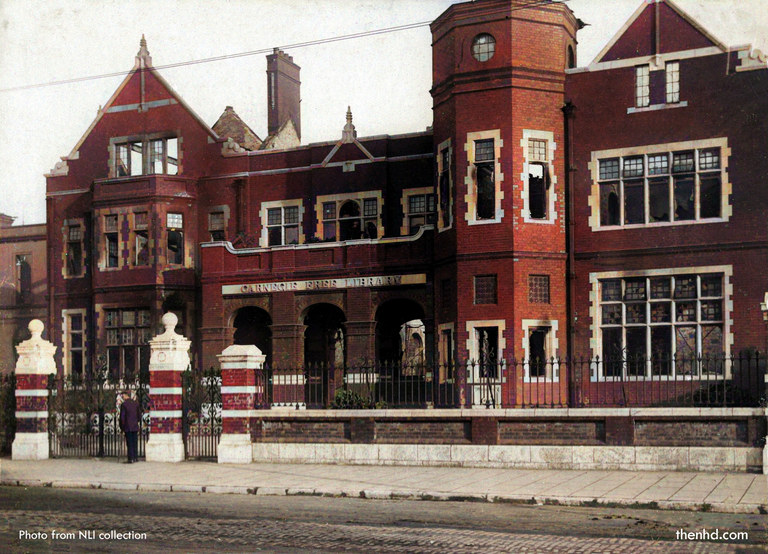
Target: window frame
[338, 200]
[129, 151]
[67, 332]
[479, 283]
[551, 346]
[530, 159]
[115, 339]
[618, 180]
[173, 227]
[642, 86]
[652, 368]
[471, 197]
[485, 50]
[430, 217]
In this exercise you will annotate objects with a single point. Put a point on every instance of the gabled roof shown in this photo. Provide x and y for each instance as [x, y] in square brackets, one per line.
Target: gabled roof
[229, 125]
[657, 27]
[143, 62]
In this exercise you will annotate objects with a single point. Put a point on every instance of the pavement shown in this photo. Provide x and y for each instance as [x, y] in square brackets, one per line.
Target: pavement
[716, 492]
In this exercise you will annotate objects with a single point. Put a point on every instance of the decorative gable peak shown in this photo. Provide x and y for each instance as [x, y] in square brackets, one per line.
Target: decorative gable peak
[143, 58]
[349, 134]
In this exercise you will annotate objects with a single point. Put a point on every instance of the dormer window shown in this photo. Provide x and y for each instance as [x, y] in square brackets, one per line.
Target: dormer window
[146, 156]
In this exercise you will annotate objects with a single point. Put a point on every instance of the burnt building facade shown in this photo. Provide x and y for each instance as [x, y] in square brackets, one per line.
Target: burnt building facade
[550, 211]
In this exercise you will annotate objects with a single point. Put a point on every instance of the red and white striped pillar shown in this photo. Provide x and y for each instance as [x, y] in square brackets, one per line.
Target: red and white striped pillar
[240, 387]
[33, 367]
[169, 359]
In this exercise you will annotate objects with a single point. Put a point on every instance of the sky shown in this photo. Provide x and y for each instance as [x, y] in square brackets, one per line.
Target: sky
[384, 78]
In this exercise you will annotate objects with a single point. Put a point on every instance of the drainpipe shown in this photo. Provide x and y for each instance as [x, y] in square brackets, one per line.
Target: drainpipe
[569, 111]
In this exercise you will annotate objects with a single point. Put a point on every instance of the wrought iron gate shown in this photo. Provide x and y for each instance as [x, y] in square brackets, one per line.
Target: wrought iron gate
[84, 416]
[201, 412]
[7, 411]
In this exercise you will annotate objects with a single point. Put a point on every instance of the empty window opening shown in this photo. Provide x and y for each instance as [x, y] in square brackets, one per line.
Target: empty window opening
[537, 351]
[538, 187]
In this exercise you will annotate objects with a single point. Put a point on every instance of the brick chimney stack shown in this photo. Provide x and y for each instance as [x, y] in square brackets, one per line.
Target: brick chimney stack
[283, 91]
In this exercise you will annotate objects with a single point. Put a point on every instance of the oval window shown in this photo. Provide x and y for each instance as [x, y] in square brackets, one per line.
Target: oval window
[483, 47]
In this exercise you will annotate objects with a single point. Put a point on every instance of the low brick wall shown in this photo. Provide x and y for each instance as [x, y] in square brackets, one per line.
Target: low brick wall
[696, 439]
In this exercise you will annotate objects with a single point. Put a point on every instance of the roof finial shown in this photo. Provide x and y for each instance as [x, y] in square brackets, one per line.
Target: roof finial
[143, 54]
[349, 134]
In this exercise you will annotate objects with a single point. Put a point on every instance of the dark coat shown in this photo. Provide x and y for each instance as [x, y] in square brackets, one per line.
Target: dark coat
[130, 412]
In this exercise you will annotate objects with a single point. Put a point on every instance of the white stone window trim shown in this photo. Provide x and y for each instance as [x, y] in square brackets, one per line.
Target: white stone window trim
[65, 251]
[725, 185]
[263, 217]
[473, 347]
[339, 199]
[406, 206]
[595, 341]
[102, 233]
[222, 209]
[551, 194]
[66, 335]
[471, 180]
[443, 356]
[551, 348]
[443, 216]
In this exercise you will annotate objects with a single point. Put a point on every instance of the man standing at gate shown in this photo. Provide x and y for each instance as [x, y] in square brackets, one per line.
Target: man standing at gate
[130, 412]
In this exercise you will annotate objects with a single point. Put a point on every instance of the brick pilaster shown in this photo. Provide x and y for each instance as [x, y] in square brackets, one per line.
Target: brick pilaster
[242, 387]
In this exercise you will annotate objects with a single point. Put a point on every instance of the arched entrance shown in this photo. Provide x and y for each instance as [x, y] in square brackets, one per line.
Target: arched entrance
[400, 333]
[252, 326]
[324, 337]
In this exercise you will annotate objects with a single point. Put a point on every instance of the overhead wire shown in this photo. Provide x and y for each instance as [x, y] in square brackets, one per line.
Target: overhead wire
[317, 42]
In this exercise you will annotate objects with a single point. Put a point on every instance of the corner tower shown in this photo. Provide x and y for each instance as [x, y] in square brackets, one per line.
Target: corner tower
[498, 93]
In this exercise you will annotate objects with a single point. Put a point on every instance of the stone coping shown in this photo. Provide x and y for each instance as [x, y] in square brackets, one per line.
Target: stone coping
[292, 413]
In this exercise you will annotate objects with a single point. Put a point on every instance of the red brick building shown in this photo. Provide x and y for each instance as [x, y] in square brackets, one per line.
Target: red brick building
[529, 222]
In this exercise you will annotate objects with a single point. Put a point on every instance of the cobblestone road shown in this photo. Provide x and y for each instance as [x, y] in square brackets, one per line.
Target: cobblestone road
[232, 526]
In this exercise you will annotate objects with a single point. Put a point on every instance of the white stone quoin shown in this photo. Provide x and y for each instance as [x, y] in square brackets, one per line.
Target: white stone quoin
[169, 359]
[238, 364]
[35, 358]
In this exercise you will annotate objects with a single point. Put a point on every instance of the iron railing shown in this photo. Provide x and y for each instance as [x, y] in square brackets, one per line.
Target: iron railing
[724, 381]
[201, 413]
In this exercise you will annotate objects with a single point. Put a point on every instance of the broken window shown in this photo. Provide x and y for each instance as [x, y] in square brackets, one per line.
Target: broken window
[486, 185]
[538, 354]
[488, 351]
[660, 188]
[283, 225]
[175, 224]
[444, 189]
[110, 236]
[74, 250]
[24, 279]
[216, 226]
[661, 324]
[346, 220]
[142, 157]
[421, 211]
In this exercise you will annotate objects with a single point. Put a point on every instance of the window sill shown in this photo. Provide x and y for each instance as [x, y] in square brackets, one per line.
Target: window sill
[660, 224]
[656, 107]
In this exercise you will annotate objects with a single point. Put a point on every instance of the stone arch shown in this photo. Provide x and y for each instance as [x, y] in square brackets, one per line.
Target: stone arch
[305, 302]
[231, 306]
[253, 325]
[325, 335]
